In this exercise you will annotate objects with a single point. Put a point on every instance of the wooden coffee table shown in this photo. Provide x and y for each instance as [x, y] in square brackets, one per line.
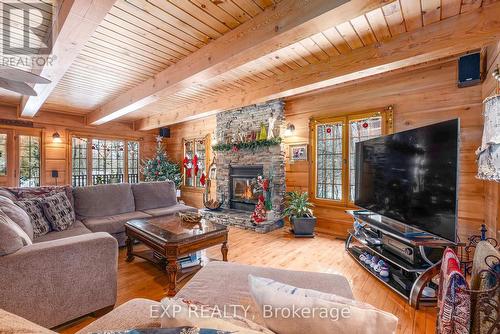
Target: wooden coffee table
[169, 239]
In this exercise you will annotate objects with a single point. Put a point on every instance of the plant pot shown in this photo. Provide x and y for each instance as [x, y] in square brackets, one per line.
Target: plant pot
[303, 226]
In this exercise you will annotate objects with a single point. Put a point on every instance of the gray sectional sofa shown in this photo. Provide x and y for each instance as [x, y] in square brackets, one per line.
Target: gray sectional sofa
[106, 208]
[67, 274]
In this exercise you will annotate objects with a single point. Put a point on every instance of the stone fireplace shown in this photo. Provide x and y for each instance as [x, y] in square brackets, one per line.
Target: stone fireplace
[238, 169]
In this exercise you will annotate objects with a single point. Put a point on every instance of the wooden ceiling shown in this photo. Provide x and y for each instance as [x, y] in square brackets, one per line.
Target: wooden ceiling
[138, 39]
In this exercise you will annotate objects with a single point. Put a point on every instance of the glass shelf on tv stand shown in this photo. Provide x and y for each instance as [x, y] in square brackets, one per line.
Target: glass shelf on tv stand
[399, 230]
[389, 257]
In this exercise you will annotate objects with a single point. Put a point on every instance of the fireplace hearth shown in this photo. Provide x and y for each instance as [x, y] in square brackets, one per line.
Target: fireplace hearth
[243, 194]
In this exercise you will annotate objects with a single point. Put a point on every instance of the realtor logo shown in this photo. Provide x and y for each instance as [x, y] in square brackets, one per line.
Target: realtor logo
[26, 28]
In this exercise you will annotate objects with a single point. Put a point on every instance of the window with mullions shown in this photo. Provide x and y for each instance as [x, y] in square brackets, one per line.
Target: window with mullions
[29, 161]
[133, 161]
[79, 161]
[107, 161]
[360, 130]
[195, 161]
[329, 161]
[333, 141]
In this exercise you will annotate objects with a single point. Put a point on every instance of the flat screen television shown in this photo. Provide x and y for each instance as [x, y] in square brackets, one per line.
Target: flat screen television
[412, 177]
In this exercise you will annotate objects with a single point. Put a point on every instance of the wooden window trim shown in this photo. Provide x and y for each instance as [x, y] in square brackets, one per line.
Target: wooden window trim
[387, 128]
[207, 139]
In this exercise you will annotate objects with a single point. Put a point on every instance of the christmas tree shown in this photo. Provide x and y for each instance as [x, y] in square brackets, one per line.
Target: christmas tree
[160, 168]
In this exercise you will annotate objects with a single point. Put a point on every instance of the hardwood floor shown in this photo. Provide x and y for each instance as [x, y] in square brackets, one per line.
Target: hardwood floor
[278, 249]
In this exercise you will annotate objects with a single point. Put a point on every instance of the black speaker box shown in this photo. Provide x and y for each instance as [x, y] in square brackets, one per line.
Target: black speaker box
[55, 173]
[165, 132]
[469, 70]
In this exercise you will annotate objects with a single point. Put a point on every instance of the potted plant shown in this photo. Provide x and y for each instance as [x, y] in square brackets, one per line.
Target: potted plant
[298, 210]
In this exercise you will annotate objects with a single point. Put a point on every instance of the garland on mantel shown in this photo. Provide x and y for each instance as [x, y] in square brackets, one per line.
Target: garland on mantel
[249, 145]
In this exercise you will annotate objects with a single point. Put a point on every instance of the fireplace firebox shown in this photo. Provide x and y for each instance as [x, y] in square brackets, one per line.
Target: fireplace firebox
[243, 188]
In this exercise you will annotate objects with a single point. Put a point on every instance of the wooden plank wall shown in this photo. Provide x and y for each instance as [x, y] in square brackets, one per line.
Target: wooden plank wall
[55, 156]
[492, 189]
[420, 97]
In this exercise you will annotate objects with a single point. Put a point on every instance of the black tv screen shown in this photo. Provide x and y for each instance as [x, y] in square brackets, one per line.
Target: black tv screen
[411, 177]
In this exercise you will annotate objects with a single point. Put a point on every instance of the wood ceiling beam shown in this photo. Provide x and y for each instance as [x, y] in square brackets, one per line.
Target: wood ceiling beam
[74, 23]
[465, 32]
[279, 26]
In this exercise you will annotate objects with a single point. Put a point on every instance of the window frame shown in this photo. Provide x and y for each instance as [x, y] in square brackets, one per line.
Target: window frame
[207, 139]
[344, 202]
[90, 138]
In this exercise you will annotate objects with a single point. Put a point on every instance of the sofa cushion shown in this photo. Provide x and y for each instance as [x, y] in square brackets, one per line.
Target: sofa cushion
[169, 210]
[77, 228]
[152, 195]
[191, 314]
[135, 313]
[103, 200]
[112, 224]
[13, 324]
[18, 215]
[34, 210]
[224, 283]
[58, 211]
[6, 193]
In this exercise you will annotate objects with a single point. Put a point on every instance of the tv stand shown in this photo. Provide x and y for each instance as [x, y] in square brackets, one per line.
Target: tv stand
[413, 257]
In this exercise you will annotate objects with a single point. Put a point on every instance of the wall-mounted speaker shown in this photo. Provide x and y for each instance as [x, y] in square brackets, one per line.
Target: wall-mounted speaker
[165, 132]
[469, 70]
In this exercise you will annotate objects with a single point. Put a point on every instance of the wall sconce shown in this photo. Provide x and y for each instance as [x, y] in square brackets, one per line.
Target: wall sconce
[290, 130]
[56, 137]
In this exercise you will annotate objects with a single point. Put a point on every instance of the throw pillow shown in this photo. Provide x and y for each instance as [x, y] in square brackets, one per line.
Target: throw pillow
[58, 211]
[179, 313]
[34, 210]
[18, 215]
[12, 237]
[10, 242]
[454, 303]
[291, 310]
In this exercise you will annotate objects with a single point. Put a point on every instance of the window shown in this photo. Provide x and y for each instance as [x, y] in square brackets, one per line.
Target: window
[79, 161]
[104, 161]
[107, 161]
[133, 161]
[360, 130]
[195, 160]
[333, 141]
[29, 161]
[329, 160]
[3, 154]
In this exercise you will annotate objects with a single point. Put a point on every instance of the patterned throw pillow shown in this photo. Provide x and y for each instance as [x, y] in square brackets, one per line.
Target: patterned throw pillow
[58, 211]
[34, 210]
